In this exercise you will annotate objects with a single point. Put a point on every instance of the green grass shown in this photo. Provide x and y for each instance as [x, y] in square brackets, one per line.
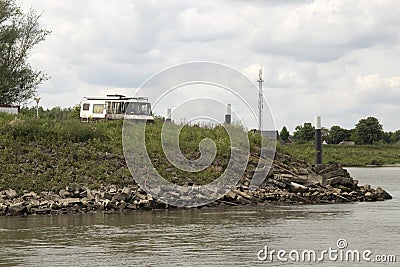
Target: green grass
[359, 155]
[47, 154]
[53, 152]
[189, 140]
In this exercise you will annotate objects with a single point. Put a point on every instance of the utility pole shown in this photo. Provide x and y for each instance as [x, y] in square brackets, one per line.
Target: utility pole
[260, 101]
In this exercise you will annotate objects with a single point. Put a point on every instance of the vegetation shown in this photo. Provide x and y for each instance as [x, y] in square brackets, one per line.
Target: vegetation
[47, 154]
[372, 146]
[304, 133]
[367, 131]
[358, 155]
[284, 134]
[19, 33]
[338, 134]
[57, 150]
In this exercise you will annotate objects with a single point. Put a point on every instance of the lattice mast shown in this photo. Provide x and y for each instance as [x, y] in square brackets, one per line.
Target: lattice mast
[260, 101]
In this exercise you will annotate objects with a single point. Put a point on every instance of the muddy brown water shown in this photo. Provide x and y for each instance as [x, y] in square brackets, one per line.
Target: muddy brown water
[210, 236]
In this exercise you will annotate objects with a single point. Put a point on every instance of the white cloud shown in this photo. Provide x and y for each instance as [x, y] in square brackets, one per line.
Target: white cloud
[376, 89]
[335, 58]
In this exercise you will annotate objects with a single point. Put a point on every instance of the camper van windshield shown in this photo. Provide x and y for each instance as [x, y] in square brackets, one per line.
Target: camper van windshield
[135, 108]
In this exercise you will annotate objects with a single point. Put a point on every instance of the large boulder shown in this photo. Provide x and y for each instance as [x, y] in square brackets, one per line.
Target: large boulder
[65, 193]
[10, 193]
[120, 197]
[382, 194]
[17, 209]
[3, 208]
[341, 180]
[69, 201]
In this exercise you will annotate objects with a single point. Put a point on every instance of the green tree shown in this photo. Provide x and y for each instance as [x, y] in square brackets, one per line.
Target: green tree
[368, 131]
[325, 134]
[338, 134]
[304, 133]
[395, 138]
[284, 134]
[19, 33]
[387, 137]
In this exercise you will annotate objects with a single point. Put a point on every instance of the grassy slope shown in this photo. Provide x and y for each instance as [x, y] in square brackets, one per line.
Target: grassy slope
[49, 154]
[347, 155]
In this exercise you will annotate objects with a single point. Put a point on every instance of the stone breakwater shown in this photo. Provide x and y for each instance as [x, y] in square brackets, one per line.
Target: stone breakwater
[288, 182]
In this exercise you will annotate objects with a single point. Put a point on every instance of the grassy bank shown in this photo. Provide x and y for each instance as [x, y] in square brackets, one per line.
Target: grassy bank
[47, 154]
[50, 153]
[360, 155]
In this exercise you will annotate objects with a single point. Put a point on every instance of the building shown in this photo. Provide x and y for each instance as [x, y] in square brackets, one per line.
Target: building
[9, 109]
[272, 135]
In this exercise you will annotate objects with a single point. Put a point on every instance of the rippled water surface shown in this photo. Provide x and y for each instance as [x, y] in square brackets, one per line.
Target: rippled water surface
[209, 236]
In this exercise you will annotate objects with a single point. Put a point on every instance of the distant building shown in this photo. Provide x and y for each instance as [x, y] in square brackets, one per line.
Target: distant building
[272, 135]
[9, 109]
[347, 143]
[288, 141]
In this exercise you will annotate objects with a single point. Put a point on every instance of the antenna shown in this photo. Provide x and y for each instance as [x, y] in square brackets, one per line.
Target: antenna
[260, 100]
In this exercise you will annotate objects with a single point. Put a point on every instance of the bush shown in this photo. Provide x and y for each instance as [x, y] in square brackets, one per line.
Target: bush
[28, 130]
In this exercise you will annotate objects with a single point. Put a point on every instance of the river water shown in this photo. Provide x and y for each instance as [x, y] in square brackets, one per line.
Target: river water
[234, 236]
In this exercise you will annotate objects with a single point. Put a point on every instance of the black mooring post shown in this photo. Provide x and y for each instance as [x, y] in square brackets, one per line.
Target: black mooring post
[228, 116]
[168, 119]
[318, 140]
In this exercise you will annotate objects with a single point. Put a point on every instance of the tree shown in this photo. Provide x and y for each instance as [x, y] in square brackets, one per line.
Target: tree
[284, 134]
[338, 134]
[325, 134]
[396, 137]
[387, 137]
[368, 131]
[304, 133]
[19, 33]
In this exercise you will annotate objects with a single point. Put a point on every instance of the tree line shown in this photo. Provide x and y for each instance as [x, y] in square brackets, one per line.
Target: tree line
[367, 131]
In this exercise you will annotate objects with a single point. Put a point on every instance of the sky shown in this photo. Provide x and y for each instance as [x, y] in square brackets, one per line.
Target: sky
[337, 59]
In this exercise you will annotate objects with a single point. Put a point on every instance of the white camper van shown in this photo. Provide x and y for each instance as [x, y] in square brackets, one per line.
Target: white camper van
[115, 107]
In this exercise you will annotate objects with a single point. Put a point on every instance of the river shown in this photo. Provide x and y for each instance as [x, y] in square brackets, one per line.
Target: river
[234, 236]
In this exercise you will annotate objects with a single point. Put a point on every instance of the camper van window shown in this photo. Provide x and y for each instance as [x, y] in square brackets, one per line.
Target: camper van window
[98, 108]
[109, 107]
[138, 109]
[117, 108]
[145, 109]
[85, 106]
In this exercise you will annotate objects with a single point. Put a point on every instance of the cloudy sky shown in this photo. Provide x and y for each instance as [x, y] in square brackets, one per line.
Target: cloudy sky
[338, 59]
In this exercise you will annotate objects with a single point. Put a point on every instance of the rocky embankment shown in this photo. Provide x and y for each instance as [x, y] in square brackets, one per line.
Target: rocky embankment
[298, 182]
[288, 182]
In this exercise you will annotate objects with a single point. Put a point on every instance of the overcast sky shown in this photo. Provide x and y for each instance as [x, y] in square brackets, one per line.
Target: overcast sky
[337, 59]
